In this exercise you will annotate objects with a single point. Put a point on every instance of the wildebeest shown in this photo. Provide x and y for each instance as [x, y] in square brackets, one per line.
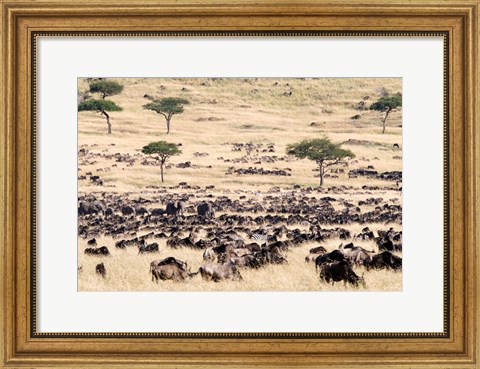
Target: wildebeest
[219, 272]
[86, 207]
[385, 260]
[355, 254]
[99, 251]
[101, 270]
[335, 255]
[157, 211]
[205, 209]
[175, 208]
[171, 209]
[153, 247]
[167, 272]
[339, 271]
[385, 244]
[169, 269]
[181, 206]
[168, 260]
[92, 242]
[270, 255]
[127, 210]
[248, 261]
[318, 250]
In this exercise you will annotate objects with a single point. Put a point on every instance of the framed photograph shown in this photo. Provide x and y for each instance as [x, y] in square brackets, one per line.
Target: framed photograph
[231, 184]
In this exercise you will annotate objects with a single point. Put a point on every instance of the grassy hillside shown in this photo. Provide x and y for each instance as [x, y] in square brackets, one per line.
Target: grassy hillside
[239, 111]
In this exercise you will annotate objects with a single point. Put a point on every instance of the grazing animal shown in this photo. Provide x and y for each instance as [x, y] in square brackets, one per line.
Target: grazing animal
[205, 209]
[220, 272]
[339, 271]
[101, 270]
[318, 250]
[335, 255]
[157, 212]
[355, 254]
[181, 206]
[171, 209]
[385, 260]
[153, 247]
[92, 242]
[385, 244]
[168, 272]
[100, 251]
[248, 261]
[169, 269]
[86, 208]
[168, 260]
[127, 210]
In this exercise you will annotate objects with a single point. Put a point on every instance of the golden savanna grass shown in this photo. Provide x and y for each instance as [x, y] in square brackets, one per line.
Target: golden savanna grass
[225, 111]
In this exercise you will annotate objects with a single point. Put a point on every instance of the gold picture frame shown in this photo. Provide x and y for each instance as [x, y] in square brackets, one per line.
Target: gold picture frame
[22, 346]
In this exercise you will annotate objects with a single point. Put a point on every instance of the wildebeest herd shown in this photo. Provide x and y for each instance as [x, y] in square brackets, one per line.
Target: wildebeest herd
[236, 232]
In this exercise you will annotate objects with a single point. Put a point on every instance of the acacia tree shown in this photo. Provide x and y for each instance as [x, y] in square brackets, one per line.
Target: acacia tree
[102, 107]
[387, 104]
[104, 88]
[322, 151]
[164, 150]
[168, 107]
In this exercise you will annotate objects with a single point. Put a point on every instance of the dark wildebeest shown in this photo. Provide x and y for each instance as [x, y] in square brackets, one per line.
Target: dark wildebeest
[101, 270]
[100, 251]
[219, 272]
[205, 209]
[92, 242]
[175, 208]
[385, 260]
[339, 271]
[157, 212]
[127, 210]
[335, 255]
[86, 208]
[168, 260]
[171, 209]
[248, 261]
[122, 244]
[385, 244]
[396, 146]
[153, 247]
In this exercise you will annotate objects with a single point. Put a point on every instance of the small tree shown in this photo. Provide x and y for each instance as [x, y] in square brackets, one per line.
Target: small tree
[387, 104]
[167, 107]
[102, 107]
[164, 150]
[106, 88]
[322, 151]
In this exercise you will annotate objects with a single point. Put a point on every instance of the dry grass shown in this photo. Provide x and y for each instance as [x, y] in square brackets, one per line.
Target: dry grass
[129, 271]
[251, 110]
